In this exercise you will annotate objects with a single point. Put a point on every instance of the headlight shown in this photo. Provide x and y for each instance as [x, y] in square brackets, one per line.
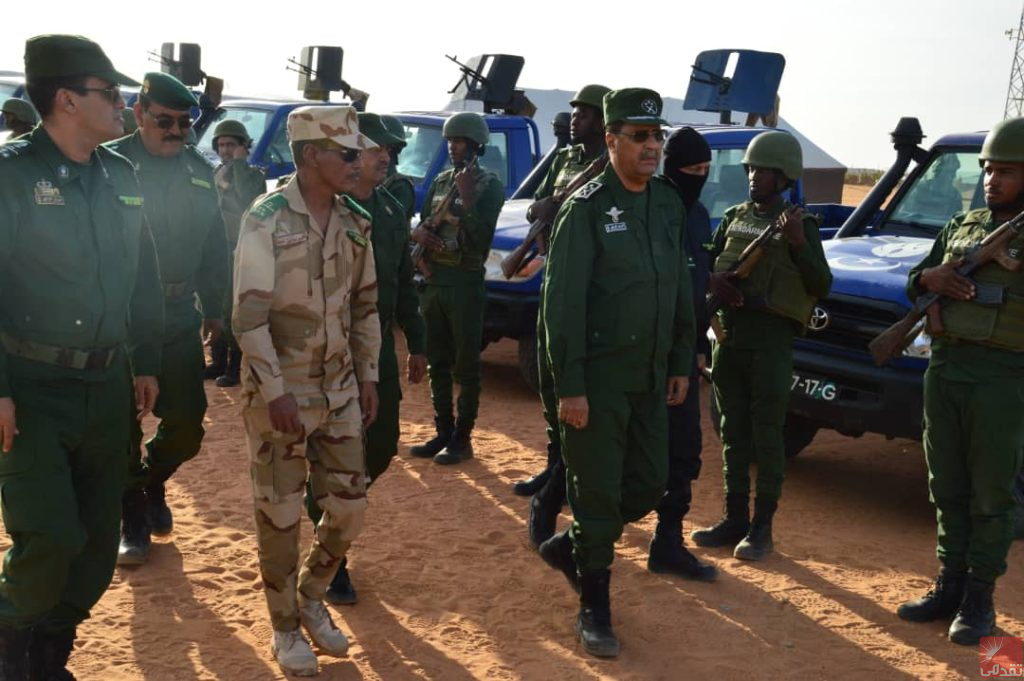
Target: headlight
[921, 347]
[492, 267]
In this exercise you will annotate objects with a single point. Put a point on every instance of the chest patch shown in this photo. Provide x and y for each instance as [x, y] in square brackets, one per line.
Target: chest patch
[357, 238]
[612, 227]
[614, 213]
[135, 201]
[197, 182]
[285, 240]
[47, 195]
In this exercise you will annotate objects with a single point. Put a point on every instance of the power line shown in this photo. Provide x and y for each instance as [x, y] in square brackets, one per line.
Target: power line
[1015, 91]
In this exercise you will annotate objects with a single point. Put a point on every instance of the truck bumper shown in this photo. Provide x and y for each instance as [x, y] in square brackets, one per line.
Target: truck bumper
[509, 315]
[855, 397]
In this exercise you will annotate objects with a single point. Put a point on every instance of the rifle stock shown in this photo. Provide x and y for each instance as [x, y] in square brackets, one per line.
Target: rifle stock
[435, 220]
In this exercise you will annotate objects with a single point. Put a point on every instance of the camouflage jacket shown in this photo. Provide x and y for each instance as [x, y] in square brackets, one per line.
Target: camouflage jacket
[238, 185]
[305, 301]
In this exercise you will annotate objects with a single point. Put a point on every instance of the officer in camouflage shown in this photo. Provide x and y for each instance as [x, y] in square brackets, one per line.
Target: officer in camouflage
[238, 185]
[619, 319]
[587, 135]
[181, 209]
[306, 319]
[19, 116]
[974, 399]
[397, 303]
[752, 367]
[81, 311]
[453, 298]
[401, 186]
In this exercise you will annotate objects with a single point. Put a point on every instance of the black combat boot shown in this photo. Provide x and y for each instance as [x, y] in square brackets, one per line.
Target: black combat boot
[233, 373]
[758, 542]
[594, 623]
[941, 602]
[668, 555]
[530, 486]
[976, 617]
[14, 653]
[545, 507]
[218, 360]
[48, 656]
[135, 541]
[341, 591]
[729, 530]
[430, 448]
[557, 552]
[161, 522]
[459, 448]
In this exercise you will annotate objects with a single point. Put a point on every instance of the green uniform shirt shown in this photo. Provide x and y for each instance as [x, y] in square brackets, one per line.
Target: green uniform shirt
[403, 189]
[77, 263]
[617, 304]
[238, 185]
[476, 226]
[191, 243]
[959, 360]
[754, 328]
[567, 164]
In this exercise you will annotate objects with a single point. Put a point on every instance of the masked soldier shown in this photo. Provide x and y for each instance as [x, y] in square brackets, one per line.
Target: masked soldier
[464, 202]
[238, 185]
[305, 316]
[974, 398]
[80, 311]
[619, 320]
[181, 209]
[19, 116]
[400, 186]
[752, 367]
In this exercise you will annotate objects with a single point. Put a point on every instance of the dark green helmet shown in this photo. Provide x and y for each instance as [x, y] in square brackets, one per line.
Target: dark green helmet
[469, 125]
[591, 95]
[1004, 143]
[231, 128]
[775, 149]
[395, 127]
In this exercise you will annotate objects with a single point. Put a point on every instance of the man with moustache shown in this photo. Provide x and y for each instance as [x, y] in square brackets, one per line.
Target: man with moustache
[619, 318]
[306, 318]
[974, 399]
[397, 304]
[80, 313]
[181, 209]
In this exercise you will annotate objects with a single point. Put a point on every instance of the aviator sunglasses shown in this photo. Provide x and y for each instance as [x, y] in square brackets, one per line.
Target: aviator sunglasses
[166, 122]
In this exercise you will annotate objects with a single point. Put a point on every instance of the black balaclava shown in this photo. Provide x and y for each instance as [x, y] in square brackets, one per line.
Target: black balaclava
[685, 147]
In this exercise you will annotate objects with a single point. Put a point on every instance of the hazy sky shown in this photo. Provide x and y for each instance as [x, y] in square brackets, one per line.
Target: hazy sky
[853, 68]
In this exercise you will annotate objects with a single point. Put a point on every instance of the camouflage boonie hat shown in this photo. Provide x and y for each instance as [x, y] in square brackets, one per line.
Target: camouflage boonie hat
[56, 56]
[20, 109]
[371, 125]
[633, 105]
[338, 124]
[591, 95]
[166, 90]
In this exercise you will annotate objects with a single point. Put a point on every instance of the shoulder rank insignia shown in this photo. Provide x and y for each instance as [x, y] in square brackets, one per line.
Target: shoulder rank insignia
[351, 204]
[268, 206]
[12, 149]
[587, 190]
[357, 238]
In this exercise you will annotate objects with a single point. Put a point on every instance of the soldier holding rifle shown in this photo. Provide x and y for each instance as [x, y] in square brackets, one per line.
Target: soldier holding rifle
[974, 391]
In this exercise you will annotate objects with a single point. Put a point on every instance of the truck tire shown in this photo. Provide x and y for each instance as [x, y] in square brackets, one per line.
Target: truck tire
[528, 361]
[796, 434]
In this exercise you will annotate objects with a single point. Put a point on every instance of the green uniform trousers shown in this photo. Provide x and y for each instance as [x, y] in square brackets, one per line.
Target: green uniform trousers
[616, 469]
[752, 389]
[546, 384]
[454, 319]
[180, 407]
[61, 487]
[972, 442]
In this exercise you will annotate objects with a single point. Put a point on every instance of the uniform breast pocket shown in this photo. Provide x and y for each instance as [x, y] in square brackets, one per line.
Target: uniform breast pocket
[54, 235]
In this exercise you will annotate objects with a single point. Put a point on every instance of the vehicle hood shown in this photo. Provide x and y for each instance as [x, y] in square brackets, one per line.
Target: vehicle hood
[512, 225]
[874, 266]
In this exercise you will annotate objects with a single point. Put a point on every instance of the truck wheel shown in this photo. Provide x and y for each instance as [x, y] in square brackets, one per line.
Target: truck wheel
[528, 361]
[796, 434]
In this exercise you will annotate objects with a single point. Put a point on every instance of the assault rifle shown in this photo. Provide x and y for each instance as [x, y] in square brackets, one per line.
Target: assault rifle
[545, 211]
[441, 215]
[893, 340]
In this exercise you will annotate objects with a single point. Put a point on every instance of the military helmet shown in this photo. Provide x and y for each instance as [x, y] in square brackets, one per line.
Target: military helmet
[393, 124]
[775, 149]
[591, 95]
[1004, 142]
[469, 125]
[231, 128]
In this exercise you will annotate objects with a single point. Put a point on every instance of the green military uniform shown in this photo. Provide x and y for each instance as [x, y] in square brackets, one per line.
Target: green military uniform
[753, 367]
[182, 212]
[973, 402]
[402, 188]
[80, 298]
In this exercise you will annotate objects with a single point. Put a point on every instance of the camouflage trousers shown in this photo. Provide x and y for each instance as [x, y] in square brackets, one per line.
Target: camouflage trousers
[330, 451]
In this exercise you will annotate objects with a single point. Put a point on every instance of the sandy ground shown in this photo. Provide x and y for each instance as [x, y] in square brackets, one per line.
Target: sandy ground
[450, 590]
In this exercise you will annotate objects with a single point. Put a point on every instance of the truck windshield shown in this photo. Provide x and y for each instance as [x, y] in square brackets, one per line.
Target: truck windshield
[422, 142]
[727, 182]
[254, 120]
[951, 183]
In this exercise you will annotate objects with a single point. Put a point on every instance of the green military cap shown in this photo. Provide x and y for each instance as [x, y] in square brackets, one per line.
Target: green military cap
[395, 127]
[592, 95]
[55, 56]
[20, 109]
[371, 125]
[633, 105]
[166, 90]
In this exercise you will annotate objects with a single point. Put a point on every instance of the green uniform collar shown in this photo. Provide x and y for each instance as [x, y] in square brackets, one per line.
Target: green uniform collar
[61, 167]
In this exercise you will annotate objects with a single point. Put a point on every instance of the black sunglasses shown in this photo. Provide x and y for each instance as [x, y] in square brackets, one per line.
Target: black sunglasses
[166, 122]
[345, 154]
[113, 93]
[641, 136]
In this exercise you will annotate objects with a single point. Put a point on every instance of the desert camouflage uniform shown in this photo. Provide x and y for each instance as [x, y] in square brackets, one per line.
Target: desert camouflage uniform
[305, 316]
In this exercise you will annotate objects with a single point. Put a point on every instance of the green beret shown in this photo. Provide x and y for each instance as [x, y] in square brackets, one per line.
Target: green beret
[633, 105]
[55, 56]
[20, 109]
[395, 127]
[592, 95]
[371, 125]
[166, 90]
